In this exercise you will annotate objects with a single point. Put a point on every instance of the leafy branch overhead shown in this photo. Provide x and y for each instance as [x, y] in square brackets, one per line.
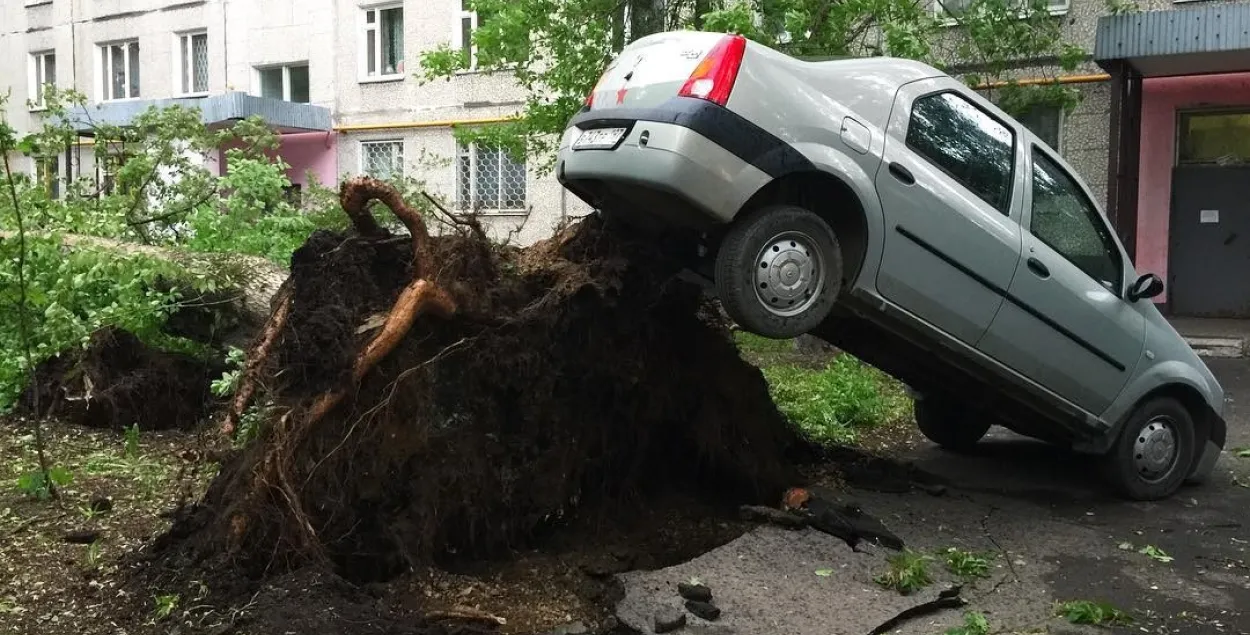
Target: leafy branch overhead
[557, 49]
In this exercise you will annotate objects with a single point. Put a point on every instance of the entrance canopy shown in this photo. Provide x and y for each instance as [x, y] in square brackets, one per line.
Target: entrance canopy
[1184, 41]
[215, 111]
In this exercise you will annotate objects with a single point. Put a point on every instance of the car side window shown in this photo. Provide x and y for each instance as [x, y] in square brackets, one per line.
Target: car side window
[967, 143]
[1067, 221]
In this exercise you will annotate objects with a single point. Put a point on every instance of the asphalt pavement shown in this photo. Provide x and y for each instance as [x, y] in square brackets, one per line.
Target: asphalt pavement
[1053, 532]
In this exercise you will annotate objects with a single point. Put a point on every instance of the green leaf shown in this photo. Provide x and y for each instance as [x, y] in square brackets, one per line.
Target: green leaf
[824, 573]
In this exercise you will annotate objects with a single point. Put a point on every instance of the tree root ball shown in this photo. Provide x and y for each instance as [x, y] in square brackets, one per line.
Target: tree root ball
[117, 381]
[575, 376]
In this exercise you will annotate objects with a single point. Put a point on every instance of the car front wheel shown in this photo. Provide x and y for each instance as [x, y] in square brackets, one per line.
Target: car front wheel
[949, 425]
[1152, 455]
[779, 271]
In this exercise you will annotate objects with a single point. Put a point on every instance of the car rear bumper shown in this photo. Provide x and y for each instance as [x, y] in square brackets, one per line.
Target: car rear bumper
[688, 160]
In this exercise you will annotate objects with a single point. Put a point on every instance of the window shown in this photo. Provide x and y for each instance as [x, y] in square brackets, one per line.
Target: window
[1046, 122]
[1066, 220]
[462, 34]
[1213, 138]
[489, 179]
[382, 159]
[119, 70]
[193, 63]
[288, 83]
[950, 9]
[42, 73]
[968, 144]
[48, 175]
[382, 46]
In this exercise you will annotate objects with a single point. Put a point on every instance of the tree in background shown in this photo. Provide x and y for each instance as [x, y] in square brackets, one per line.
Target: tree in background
[557, 49]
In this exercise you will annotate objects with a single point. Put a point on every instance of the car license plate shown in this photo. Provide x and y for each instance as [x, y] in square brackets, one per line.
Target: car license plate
[598, 138]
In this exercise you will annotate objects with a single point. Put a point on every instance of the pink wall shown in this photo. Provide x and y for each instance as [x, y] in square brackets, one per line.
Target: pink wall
[1161, 98]
[315, 151]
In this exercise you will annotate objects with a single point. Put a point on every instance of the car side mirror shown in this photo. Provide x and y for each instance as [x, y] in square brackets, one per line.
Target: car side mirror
[1147, 286]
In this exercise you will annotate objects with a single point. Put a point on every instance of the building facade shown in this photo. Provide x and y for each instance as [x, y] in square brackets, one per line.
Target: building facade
[335, 77]
[1162, 126]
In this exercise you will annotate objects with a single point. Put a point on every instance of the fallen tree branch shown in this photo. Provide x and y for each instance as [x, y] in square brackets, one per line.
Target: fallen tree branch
[472, 615]
[948, 599]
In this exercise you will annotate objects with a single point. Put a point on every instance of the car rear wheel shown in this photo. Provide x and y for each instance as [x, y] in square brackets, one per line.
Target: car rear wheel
[1153, 453]
[948, 424]
[779, 271]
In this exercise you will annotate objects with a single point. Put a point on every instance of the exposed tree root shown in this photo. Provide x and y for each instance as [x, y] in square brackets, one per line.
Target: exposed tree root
[417, 298]
[355, 197]
[256, 361]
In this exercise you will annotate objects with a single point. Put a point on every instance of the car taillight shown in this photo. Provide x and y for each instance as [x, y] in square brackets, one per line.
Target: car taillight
[590, 99]
[714, 77]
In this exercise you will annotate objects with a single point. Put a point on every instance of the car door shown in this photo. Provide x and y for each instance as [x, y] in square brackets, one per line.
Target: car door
[946, 185]
[1066, 323]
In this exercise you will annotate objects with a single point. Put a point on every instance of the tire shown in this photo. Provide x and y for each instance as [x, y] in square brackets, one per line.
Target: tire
[761, 252]
[1154, 452]
[949, 425]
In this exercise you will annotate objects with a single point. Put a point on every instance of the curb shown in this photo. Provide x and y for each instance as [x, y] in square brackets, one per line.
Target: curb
[1226, 347]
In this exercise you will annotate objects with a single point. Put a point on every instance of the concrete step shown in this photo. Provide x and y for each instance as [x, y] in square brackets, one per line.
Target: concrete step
[1209, 346]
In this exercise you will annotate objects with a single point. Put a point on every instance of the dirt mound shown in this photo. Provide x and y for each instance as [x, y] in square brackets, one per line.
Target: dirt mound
[117, 380]
[437, 399]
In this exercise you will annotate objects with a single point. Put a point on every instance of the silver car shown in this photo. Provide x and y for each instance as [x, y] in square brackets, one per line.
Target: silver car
[887, 208]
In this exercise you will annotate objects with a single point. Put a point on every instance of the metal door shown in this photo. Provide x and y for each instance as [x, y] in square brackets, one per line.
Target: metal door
[1209, 244]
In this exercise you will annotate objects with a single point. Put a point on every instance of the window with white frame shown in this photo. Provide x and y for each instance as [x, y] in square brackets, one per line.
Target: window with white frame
[42, 74]
[462, 34]
[382, 159]
[288, 82]
[489, 180]
[192, 63]
[119, 70]
[951, 9]
[382, 42]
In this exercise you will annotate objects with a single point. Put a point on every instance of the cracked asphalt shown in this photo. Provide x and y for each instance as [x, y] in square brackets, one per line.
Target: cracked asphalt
[1054, 532]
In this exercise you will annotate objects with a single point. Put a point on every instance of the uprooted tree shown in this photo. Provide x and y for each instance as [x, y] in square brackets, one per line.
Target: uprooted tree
[429, 395]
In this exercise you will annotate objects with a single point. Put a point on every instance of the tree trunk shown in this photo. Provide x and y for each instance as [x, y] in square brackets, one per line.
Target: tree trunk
[256, 279]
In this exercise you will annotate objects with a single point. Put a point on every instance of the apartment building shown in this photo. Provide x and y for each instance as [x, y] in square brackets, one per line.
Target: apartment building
[1162, 132]
[335, 77]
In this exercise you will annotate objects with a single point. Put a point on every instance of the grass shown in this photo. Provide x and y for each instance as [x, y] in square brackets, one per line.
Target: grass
[974, 624]
[1095, 613]
[908, 572]
[141, 474]
[965, 564]
[830, 400]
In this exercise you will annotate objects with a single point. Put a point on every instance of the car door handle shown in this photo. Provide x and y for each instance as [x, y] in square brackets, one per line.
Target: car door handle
[901, 173]
[1038, 268]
